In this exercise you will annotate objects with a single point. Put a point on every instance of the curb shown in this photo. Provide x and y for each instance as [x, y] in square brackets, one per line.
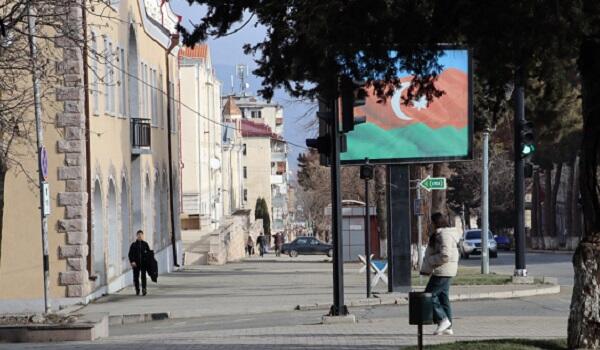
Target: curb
[564, 252]
[391, 300]
[114, 320]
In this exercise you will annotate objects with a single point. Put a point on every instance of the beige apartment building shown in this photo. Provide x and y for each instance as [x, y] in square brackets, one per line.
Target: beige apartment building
[265, 168]
[201, 140]
[112, 136]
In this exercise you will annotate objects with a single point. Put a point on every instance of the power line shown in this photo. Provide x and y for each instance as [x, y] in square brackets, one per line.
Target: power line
[186, 106]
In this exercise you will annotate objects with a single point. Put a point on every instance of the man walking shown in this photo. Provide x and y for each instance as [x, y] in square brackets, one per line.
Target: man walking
[138, 253]
[441, 262]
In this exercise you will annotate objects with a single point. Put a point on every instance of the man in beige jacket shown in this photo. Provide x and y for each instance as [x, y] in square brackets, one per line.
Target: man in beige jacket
[441, 262]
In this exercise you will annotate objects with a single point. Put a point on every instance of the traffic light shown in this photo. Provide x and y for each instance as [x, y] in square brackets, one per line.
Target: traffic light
[526, 140]
[352, 95]
[323, 142]
[366, 172]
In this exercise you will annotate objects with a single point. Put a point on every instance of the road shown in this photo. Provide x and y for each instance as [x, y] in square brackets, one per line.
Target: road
[261, 282]
[538, 264]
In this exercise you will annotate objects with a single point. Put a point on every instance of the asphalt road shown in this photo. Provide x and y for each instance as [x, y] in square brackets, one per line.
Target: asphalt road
[538, 264]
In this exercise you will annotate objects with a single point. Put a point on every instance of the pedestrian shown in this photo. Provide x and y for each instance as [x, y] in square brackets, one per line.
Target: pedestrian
[261, 242]
[441, 263]
[138, 254]
[250, 246]
[278, 243]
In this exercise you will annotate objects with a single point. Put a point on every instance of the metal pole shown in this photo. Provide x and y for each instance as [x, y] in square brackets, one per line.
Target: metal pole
[40, 143]
[485, 256]
[520, 269]
[368, 237]
[420, 337]
[419, 232]
[338, 307]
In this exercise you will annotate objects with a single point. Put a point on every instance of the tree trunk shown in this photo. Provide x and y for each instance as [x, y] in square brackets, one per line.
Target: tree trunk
[381, 201]
[569, 200]
[548, 225]
[467, 217]
[438, 198]
[535, 208]
[575, 207]
[556, 187]
[584, 319]
[3, 171]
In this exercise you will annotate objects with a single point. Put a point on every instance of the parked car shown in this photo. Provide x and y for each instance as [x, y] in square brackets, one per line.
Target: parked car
[305, 246]
[470, 244]
[503, 242]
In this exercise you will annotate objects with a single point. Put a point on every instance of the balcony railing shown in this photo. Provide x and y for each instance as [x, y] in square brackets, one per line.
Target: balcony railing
[141, 132]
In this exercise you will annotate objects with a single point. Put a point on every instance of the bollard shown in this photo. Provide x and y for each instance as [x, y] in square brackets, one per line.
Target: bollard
[420, 312]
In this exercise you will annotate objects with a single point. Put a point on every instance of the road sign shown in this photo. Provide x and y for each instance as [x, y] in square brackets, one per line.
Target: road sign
[433, 183]
[46, 188]
[44, 161]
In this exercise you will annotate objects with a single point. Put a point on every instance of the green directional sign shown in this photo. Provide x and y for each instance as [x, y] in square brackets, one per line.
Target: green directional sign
[433, 183]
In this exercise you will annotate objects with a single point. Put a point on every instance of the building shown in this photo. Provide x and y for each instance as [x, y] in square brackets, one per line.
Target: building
[233, 181]
[265, 168]
[201, 139]
[112, 140]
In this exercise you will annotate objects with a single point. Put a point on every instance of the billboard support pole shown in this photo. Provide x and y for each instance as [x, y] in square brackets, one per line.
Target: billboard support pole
[399, 240]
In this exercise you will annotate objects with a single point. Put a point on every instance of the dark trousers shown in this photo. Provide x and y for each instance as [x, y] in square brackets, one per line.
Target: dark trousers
[136, 278]
[439, 287]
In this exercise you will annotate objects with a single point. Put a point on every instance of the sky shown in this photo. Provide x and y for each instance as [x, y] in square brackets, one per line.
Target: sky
[227, 52]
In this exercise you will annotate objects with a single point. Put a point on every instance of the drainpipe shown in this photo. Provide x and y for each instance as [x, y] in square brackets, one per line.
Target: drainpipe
[174, 43]
[88, 162]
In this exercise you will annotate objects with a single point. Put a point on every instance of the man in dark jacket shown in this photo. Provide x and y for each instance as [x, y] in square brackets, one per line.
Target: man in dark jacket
[137, 257]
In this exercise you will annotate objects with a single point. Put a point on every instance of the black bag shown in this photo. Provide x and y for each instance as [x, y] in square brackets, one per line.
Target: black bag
[152, 266]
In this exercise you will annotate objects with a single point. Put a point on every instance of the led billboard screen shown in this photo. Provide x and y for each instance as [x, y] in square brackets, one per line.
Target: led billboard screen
[419, 131]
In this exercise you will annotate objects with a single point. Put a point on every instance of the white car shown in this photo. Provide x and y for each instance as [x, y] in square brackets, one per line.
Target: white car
[470, 244]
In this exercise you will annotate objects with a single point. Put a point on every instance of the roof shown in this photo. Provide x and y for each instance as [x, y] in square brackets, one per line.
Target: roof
[196, 51]
[252, 129]
[231, 108]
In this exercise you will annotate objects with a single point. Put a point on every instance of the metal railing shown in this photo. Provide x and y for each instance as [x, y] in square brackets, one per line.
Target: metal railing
[141, 132]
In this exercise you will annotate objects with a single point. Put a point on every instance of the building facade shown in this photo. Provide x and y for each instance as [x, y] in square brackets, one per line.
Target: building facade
[113, 160]
[265, 165]
[201, 143]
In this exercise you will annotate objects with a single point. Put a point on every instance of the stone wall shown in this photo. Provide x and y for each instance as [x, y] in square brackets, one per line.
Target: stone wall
[73, 172]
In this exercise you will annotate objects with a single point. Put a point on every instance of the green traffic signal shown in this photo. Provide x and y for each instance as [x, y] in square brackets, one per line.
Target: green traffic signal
[527, 150]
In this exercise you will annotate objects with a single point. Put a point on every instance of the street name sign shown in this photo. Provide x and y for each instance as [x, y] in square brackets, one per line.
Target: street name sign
[433, 183]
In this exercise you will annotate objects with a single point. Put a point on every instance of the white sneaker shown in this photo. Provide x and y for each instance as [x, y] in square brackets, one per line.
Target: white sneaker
[448, 331]
[442, 326]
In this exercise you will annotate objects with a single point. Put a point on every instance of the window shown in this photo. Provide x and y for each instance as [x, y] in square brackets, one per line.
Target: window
[106, 76]
[256, 114]
[95, 87]
[142, 89]
[123, 105]
[245, 195]
[244, 149]
[161, 105]
[153, 97]
[111, 78]
[245, 172]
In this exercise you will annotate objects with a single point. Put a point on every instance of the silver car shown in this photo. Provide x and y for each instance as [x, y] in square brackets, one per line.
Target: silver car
[470, 244]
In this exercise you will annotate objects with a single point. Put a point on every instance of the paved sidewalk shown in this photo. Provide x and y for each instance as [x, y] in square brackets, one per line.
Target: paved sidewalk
[258, 286]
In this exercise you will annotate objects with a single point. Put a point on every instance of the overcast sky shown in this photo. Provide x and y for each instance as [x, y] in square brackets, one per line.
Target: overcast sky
[227, 52]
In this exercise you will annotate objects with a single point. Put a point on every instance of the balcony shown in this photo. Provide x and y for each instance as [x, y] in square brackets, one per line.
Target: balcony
[141, 132]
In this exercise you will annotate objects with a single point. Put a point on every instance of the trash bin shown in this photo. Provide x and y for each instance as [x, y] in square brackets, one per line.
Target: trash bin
[420, 308]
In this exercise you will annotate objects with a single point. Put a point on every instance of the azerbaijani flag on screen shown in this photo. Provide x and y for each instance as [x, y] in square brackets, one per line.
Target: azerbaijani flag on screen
[420, 131]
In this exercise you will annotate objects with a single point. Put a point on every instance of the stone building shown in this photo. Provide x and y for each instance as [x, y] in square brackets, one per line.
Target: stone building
[113, 157]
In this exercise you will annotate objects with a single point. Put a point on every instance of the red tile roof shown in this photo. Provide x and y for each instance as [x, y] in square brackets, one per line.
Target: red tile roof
[231, 107]
[196, 51]
[252, 129]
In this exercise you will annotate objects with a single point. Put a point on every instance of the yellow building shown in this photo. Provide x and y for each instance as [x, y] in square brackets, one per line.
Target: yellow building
[113, 156]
